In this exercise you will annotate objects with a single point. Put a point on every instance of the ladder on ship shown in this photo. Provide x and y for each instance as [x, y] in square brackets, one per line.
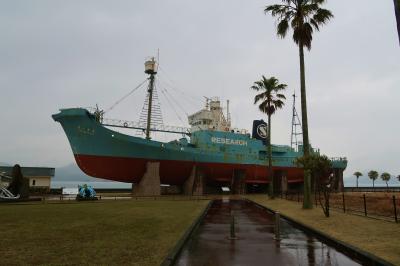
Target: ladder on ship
[151, 117]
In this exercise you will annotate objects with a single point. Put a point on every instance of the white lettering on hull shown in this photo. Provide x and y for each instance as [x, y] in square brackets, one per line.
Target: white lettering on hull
[229, 141]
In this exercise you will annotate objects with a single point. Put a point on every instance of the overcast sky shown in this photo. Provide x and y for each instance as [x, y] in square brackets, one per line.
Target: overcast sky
[56, 54]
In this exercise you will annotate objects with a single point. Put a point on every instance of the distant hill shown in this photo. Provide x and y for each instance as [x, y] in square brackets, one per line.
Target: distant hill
[72, 172]
[5, 164]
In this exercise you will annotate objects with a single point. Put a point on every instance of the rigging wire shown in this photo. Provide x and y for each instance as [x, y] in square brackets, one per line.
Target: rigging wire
[182, 107]
[171, 104]
[175, 101]
[124, 97]
[188, 96]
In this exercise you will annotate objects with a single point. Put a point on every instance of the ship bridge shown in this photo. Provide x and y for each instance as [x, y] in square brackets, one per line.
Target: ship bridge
[211, 117]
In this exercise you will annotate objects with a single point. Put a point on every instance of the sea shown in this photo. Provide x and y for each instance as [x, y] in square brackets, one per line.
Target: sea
[94, 184]
[348, 182]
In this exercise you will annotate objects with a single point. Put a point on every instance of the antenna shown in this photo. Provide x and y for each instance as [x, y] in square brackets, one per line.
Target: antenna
[158, 58]
[228, 115]
[296, 126]
[207, 102]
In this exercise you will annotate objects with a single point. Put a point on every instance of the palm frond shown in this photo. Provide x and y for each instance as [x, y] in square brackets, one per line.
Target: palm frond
[318, 2]
[259, 97]
[322, 16]
[280, 96]
[270, 98]
[314, 23]
[302, 15]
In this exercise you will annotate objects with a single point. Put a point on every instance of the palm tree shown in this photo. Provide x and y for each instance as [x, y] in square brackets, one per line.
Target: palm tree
[373, 175]
[304, 16]
[398, 178]
[385, 177]
[357, 174]
[271, 99]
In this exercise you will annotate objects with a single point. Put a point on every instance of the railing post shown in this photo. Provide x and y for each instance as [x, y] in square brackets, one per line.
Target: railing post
[365, 205]
[277, 226]
[344, 203]
[394, 207]
[232, 226]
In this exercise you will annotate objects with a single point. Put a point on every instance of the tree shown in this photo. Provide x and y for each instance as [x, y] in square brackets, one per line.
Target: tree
[357, 174]
[17, 180]
[271, 99]
[320, 168]
[304, 16]
[385, 177]
[398, 178]
[373, 175]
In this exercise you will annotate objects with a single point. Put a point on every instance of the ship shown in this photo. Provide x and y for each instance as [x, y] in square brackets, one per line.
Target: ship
[211, 154]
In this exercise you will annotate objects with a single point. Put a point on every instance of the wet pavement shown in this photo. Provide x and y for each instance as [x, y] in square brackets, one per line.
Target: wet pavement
[255, 243]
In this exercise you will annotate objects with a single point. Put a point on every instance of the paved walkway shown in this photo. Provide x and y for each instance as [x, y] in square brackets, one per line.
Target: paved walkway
[256, 244]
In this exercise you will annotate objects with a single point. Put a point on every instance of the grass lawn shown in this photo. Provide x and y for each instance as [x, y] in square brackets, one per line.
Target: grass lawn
[378, 237]
[127, 232]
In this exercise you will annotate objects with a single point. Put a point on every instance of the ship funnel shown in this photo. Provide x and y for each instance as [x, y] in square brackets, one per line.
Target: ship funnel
[260, 131]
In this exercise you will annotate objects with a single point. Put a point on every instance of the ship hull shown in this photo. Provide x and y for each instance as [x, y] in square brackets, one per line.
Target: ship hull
[174, 172]
[104, 153]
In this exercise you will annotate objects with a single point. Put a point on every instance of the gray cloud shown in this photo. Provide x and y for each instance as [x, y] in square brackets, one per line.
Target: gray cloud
[57, 54]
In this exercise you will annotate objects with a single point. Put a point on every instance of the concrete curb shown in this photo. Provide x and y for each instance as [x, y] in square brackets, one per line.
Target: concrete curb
[175, 252]
[364, 257]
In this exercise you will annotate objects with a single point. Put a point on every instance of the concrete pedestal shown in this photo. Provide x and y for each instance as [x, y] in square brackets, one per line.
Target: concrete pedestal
[339, 177]
[238, 185]
[199, 183]
[189, 183]
[149, 185]
[284, 184]
[195, 184]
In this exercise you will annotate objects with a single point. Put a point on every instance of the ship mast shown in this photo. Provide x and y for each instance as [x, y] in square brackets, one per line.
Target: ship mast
[150, 69]
[296, 126]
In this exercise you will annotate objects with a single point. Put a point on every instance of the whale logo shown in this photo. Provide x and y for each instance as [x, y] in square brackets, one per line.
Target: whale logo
[262, 131]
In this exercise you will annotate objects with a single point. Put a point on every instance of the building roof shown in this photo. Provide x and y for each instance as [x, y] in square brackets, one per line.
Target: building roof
[30, 171]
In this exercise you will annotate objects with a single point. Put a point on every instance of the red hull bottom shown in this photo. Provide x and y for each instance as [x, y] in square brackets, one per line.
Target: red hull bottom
[131, 170]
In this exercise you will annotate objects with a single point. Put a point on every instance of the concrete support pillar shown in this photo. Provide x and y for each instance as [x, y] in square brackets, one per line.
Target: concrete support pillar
[188, 186]
[199, 184]
[238, 182]
[149, 185]
[284, 183]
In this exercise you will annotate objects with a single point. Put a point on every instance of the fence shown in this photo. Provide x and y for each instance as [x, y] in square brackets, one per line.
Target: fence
[113, 197]
[384, 206]
[372, 189]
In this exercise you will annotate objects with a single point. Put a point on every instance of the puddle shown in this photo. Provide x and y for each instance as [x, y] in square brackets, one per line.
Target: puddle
[256, 244]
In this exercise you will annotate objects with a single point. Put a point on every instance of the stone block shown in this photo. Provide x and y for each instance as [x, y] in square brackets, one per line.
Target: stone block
[149, 185]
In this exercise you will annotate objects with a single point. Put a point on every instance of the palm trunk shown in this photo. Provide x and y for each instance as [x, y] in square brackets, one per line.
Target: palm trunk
[373, 183]
[357, 181]
[270, 172]
[307, 202]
